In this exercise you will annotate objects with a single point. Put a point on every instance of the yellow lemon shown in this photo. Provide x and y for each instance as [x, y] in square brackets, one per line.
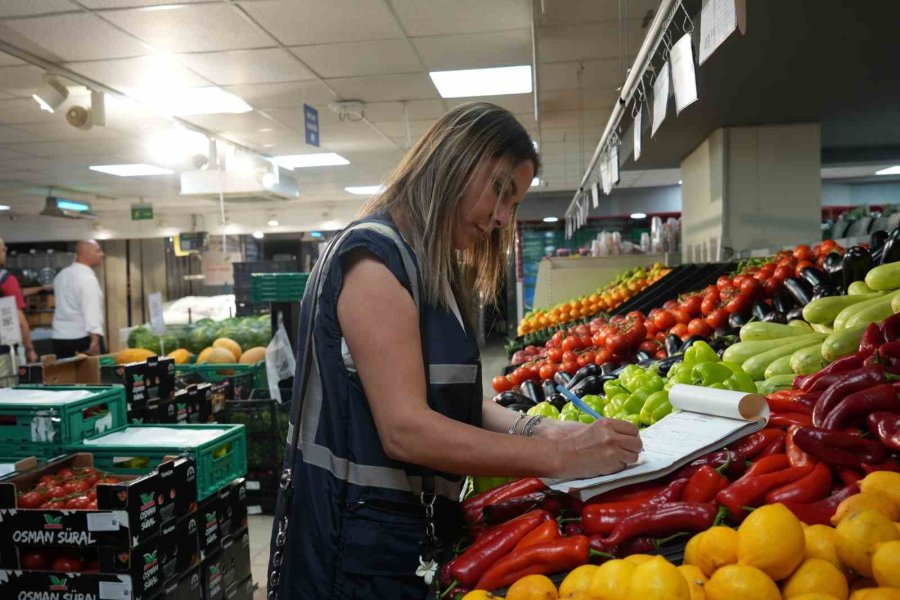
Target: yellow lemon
[771, 539]
[717, 548]
[870, 500]
[657, 579]
[532, 587]
[814, 596]
[886, 564]
[858, 536]
[690, 550]
[481, 595]
[741, 582]
[861, 583]
[611, 580]
[820, 543]
[577, 582]
[696, 581]
[876, 594]
[817, 575]
[886, 483]
[638, 559]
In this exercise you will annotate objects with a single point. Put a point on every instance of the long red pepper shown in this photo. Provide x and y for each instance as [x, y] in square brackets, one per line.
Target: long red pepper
[767, 464]
[890, 328]
[839, 448]
[785, 402]
[602, 518]
[705, 484]
[796, 456]
[552, 557]
[820, 513]
[504, 510]
[473, 506]
[715, 460]
[752, 488]
[754, 443]
[853, 381]
[635, 491]
[886, 427]
[788, 419]
[471, 565]
[848, 476]
[543, 533]
[837, 368]
[814, 486]
[871, 340]
[776, 446]
[661, 521]
[891, 464]
[880, 397]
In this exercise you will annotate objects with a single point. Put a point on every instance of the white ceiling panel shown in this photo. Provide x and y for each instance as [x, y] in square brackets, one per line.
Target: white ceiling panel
[270, 140]
[474, 51]
[192, 28]
[394, 111]
[73, 37]
[385, 88]
[25, 110]
[64, 132]
[573, 12]
[239, 67]
[12, 135]
[514, 103]
[440, 17]
[593, 99]
[100, 4]
[577, 42]
[397, 129]
[356, 59]
[7, 60]
[24, 8]
[21, 80]
[283, 95]
[296, 22]
[153, 74]
[250, 121]
[604, 73]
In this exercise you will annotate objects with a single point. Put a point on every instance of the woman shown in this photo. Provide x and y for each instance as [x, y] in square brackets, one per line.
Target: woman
[391, 411]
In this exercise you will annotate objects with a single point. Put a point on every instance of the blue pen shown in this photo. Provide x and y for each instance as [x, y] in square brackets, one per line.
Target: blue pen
[571, 397]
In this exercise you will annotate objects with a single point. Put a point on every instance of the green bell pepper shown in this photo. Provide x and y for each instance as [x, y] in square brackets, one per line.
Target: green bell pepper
[709, 373]
[635, 401]
[570, 412]
[631, 377]
[597, 403]
[613, 388]
[615, 404]
[740, 382]
[544, 409]
[633, 419]
[700, 352]
[655, 408]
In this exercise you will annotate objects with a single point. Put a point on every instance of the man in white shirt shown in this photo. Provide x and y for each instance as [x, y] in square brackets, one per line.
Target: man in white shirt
[79, 316]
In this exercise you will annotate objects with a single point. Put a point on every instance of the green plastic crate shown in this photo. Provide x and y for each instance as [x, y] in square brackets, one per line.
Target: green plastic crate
[277, 287]
[244, 377]
[219, 460]
[37, 424]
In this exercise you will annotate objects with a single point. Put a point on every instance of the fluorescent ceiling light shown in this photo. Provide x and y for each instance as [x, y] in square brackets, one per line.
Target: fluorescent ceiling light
[258, 235]
[72, 205]
[273, 223]
[483, 82]
[315, 234]
[4, 207]
[135, 170]
[638, 216]
[302, 161]
[365, 190]
[198, 101]
[535, 182]
[551, 219]
[51, 94]
[679, 182]
[895, 170]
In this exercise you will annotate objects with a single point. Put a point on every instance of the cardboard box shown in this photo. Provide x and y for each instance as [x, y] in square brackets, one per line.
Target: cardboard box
[208, 514]
[184, 534]
[178, 486]
[185, 587]
[242, 590]
[133, 377]
[46, 585]
[147, 565]
[66, 371]
[211, 577]
[236, 555]
[233, 508]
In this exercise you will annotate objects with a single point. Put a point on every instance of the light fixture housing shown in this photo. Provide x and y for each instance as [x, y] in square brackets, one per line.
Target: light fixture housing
[365, 190]
[679, 182]
[304, 161]
[638, 215]
[51, 94]
[4, 207]
[69, 209]
[131, 170]
[551, 219]
[258, 235]
[495, 81]
[273, 223]
[895, 170]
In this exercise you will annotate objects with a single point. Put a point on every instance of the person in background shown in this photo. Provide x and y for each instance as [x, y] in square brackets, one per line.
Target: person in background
[9, 286]
[78, 320]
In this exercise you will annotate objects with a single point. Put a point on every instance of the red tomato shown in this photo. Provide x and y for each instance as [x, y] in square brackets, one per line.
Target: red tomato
[571, 343]
[76, 485]
[724, 282]
[680, 330]
[56, 492]
[660, 354]
[47, 480]
[78, 502]
[616, 343]
[518, 376]
[548, 371]
[585, 359]
[554, 355]
[692, 304]
[33, 561]
[664, 320]
[699, 327]
[670, 305]
[740, 279]
[65, 473]
[569, 367]
[501, 384]
[601, 357]
[30, 500]
[827, 246]
[53, 505]
[569, 356]
[582, 331]
[652, 329]
[649, 346]
[635, 314]
[738, 304]
[661, 336]
[772, 286]
[803, 252]
[617, 319]
[637, 332]
[681, 316]
[783, 272]
[585, 341]
[718, 318]
[750, 287]
[598, 339]
[802, 265]
[67, 564]
[710, 303]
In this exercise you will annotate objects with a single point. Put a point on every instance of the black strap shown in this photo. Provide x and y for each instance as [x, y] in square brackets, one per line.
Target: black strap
[4, 275]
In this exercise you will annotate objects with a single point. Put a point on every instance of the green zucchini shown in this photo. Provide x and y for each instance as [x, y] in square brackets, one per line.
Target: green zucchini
[755, 366]
[801, 324]
[742, 351]
[823, 329]
[841, 343]
[781, 366]
[825, 310]
[858, 288]
[809, 360]
[872, 313]
[763, 330]
[774, 384]
[885, 277]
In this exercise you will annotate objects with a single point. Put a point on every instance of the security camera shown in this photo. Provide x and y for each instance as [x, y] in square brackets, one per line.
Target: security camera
[79, 117]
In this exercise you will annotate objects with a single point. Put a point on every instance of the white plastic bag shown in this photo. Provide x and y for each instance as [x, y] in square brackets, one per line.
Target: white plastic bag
[280, 363]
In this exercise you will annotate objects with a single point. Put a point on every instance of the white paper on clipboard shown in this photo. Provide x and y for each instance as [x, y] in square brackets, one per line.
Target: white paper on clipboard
[660, 98]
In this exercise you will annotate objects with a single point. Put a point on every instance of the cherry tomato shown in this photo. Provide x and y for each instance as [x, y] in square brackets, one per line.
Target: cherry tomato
[56, 492]
[718, 318]
[692, 304]
[699, 327]
[33, 561]
[569, 367]
[76, 485]
[47, 480]
[681, 330]
[67, 564]
[586, 359]
[664, 320]
[30, 500]
[548, 371]
[783, 272]
[724, 282]
[571, 343]
[501, 384]
[65, 473]
[78, 502]
[710, 303]
[554, 355]
[681, 316]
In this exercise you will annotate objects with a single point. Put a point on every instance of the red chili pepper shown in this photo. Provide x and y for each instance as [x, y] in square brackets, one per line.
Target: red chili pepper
[890, 328]
[839, 448]
[559, 555]
[602, 518]
[848, 476]
[768, 464]
[814, 486]
[575, 528]
[504, 510]
[752, 488]
[788, 419]
[704, 485]
[755, 443]
[820, 513]
[891, 464]
[796, 456]
[780, 402]
[871, 340]
[474, 505]
[661, 521]
[889, 349]
[639, 545]
[545, 532]
[878, 398]
[886, 427]
[493, 545]
[637, 491]
[851, 382]
[840, 366]
[735, 468]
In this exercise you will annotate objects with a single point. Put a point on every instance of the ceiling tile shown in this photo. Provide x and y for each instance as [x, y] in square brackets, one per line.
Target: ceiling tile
[296, 22]
[397, 129]
[355, 59]
[7, 60]
[385, 88]
[101, 4]
[393, 111]
[593, 99]
[21, 80]
[283, 95]
[192, 28]
[573, 12]
[440, 17]
[578, 42]
[72, 37]
[62, 131]
[11, 135]
[515, 103]
[604, 73]
[24, 8]
[247, 66]
[477, 50]
[250, 121]
[24, 110]
[143, 74]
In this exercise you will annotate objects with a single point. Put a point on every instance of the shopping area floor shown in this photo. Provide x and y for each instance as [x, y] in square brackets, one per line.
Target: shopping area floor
[493, 359]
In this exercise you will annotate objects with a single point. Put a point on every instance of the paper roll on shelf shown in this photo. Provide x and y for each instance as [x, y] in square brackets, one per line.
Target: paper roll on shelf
[721, 403]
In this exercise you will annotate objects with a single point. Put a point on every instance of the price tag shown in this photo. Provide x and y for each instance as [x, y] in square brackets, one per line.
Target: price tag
[102, 521]
[684, 78]
[595, 195]
[660, 98]
[252, 485]
[9, 322]
[637, 132]
[604, 175]
[155, 304]
[614, 164]
[718, 19]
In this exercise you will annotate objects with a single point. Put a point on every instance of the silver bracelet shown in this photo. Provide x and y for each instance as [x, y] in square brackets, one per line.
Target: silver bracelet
[512, 430]
[528, 430]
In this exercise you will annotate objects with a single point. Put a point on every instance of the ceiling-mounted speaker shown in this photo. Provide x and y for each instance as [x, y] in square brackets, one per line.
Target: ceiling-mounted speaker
[80, 117]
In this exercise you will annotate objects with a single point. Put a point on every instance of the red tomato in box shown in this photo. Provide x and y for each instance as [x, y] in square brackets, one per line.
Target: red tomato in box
[692, 304]
[33, 561]
[717, 318]
[554, 355]
[548, 371]
[67, 564]
[664, 320]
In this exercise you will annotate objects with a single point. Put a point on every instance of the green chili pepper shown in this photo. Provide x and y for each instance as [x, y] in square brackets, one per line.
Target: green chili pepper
[654, 403]
[708, 373]
[635, 401]
[544, 409]
[612, 388]
[700, 352]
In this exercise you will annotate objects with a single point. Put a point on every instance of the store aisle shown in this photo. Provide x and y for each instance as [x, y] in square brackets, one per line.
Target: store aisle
[260, 527]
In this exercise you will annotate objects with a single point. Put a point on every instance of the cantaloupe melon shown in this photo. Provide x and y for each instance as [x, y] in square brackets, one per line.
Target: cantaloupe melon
[215, 355]
[130, 355]
[253, 355]
[230, 345]
[182, 356]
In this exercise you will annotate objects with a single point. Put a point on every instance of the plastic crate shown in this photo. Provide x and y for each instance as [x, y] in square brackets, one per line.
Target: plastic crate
[140, 456]
[277, 287]
[32, 422]
[243, 377]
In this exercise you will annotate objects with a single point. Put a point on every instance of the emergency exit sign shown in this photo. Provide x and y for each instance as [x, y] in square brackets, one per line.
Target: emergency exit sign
[141, 212]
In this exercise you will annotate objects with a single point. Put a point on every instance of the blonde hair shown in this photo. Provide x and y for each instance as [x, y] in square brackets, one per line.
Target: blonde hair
[424, 192]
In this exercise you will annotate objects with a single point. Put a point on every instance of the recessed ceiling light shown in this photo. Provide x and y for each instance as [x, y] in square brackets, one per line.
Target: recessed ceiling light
[273, 223]
[365, 190]
[4, 207]
[551, 219]
[135, 170]
[535, 182]
[198, 101]
[258, 235]
[483, 82]
[638, 216]
[895, 170]
[679, 182]
[301, 161]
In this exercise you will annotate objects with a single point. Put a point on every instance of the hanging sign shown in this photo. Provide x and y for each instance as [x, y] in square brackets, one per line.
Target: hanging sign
[614, 163]
[9, 322]
[311, 124]
[595, 195]
[684, 78]
[141, 212]
[718, 19]
[660, 98]
[637, 131]
[604, 175]
[155, 305]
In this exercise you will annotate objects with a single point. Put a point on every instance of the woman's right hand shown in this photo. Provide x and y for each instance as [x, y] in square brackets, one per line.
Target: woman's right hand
[601, 448]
